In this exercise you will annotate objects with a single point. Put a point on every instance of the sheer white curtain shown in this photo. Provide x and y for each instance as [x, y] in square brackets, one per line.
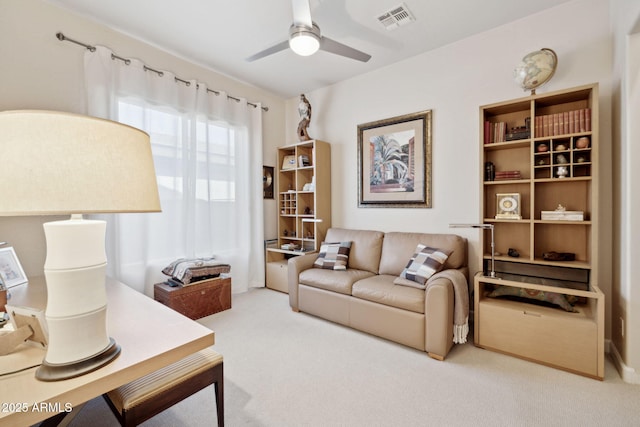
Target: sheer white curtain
[207, 151]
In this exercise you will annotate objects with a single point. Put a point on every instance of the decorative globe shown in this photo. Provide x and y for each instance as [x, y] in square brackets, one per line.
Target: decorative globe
[536, 69]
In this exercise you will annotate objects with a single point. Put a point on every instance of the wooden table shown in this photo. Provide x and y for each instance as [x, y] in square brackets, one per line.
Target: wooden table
[150, 334]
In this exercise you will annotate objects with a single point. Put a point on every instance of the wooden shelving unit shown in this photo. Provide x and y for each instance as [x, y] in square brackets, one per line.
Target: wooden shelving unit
[550, 336]
[556, 163]
[304, 205]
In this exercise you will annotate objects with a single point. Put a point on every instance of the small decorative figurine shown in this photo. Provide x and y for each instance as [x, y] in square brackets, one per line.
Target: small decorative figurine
[304, 110]
[582, 142]
[562, 172]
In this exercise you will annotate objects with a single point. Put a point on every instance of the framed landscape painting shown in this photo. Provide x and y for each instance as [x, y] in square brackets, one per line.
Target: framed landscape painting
[394, 162]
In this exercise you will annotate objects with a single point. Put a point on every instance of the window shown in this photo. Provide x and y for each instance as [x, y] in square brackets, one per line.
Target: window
[215, 151]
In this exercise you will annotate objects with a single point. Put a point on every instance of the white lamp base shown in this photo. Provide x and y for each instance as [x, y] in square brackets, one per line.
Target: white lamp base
[62, 371]
[76, 300]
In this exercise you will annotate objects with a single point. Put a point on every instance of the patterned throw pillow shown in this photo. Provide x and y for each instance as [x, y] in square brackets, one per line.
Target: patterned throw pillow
[424, 263]
[333, 256]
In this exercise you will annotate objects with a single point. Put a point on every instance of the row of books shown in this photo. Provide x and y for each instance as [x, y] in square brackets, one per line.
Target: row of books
[497, 132]
[303, 161]
[494, 132]
[563, 123]
[504, 175]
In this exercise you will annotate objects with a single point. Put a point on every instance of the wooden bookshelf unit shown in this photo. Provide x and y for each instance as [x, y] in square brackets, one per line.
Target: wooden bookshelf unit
[304, 206]
[543, 149]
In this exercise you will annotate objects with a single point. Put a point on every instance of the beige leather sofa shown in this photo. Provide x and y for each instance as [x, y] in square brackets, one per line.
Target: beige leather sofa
[364, 296]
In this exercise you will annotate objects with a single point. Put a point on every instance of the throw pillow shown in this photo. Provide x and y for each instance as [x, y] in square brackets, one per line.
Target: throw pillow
[424, 263]
[554, 298]
[333, 256]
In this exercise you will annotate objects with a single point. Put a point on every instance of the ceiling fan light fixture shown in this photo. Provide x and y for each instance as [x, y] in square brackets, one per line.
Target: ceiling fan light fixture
[303, 40]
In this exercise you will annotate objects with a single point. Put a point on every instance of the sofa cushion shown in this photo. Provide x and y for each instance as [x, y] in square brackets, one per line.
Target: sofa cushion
[332, 280]
[398, 247]
[425, 262]
[366, 247]
[333, 256]
[380, 289]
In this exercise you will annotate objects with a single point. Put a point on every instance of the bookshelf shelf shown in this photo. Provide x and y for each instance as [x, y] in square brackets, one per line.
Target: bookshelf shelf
[555, 164]
[304, 206]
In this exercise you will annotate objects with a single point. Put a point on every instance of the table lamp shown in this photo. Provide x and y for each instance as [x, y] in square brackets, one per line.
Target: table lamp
[57, 163]
[492, 273]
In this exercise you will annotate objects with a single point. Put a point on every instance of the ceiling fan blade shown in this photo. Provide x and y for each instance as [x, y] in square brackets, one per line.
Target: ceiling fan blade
[301, 12]
[269, 51]
[329, 45]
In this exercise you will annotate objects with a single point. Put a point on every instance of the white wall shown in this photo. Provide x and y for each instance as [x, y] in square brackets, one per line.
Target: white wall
[453, 82]
[37, 71]
[626, 302]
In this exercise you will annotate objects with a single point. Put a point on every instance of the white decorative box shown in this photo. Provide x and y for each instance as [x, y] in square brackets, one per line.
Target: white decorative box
[562, 215]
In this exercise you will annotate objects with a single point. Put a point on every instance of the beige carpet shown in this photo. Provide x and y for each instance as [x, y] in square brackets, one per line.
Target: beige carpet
[292, 369]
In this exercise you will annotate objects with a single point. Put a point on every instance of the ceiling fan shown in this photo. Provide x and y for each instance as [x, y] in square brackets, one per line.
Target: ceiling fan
[305, 38]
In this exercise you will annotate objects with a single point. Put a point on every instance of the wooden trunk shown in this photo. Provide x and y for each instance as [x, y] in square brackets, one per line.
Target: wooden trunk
[197, 300]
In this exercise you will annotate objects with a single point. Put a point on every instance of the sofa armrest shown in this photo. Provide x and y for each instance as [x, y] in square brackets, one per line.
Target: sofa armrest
[439, 317]
[295, 266]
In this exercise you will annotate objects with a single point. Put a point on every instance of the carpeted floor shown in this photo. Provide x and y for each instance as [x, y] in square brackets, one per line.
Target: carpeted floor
[291, 369]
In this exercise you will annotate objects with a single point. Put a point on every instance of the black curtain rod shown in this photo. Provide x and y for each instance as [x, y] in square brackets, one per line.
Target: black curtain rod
[62, 37]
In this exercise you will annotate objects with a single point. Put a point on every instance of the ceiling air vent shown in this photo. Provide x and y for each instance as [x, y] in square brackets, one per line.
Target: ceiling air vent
[396, 17]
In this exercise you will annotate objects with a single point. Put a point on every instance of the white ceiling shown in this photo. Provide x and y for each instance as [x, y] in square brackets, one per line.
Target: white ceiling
[220, 34]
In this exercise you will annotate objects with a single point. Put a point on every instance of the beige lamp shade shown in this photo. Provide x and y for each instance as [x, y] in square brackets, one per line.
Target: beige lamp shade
[60, 163]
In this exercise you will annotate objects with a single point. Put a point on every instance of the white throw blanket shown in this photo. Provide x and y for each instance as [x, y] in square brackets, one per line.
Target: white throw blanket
[460, 303]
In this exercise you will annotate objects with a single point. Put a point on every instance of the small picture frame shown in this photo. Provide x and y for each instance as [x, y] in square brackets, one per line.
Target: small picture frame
[267, 182]
[508, 206]
[289, 162]
[32, 317]
[10, 269]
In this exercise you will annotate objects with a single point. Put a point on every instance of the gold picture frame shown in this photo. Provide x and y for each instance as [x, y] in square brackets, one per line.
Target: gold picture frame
[508, 206]
[394, 162]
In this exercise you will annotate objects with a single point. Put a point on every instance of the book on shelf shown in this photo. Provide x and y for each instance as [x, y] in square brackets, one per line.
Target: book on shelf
[563, 123]
[303, 161]
[494, 132]
[505, 175]
[562, 215]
